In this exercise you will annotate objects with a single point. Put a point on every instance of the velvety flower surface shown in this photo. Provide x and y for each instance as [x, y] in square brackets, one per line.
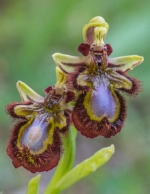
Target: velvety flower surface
[98, 80]
[35, 141]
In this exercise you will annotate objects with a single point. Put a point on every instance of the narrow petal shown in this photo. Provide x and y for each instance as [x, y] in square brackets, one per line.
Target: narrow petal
[119, 80]
[76, 81]
[27, 94]
[17, 110]
[35, 145]
[68, 63]
[136, 85]
[126, 63]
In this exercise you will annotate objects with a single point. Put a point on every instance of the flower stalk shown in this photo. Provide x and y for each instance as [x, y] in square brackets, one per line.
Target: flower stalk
[66, 162]
[64, 176]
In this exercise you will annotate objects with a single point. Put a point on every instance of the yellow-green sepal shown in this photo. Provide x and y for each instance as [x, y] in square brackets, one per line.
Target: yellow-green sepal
[27, 94]
[126, 63]
[68, 63]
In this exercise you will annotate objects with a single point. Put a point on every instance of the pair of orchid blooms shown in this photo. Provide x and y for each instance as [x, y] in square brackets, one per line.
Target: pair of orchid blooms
[87, 94]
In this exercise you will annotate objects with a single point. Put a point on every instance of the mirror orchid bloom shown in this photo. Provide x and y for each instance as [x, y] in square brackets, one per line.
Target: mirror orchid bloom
[99, 82]
[35, 141]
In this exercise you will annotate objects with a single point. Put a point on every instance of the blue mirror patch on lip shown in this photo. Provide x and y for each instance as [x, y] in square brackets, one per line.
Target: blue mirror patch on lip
[103, 102]
[34, 136]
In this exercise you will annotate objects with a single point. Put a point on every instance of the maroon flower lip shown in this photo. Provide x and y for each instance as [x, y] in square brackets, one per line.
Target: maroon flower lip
[88, 122]
[23, 156]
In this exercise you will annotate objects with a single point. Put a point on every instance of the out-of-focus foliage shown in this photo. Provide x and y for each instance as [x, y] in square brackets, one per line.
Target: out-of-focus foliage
[33, 186]
[30, 32]
[85, 168]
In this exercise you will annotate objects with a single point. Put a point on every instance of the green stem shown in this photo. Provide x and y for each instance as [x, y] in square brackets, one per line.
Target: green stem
[66, 162]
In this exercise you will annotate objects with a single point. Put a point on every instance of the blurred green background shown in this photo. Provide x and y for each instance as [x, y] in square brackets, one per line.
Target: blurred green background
[30, 32]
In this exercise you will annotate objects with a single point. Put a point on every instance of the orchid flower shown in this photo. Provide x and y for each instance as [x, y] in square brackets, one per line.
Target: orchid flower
[98, 81]
[35, 141]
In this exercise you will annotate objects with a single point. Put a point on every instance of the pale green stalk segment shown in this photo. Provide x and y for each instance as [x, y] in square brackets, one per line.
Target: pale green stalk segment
[33, 186]
[85, 168]
[66, 161]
